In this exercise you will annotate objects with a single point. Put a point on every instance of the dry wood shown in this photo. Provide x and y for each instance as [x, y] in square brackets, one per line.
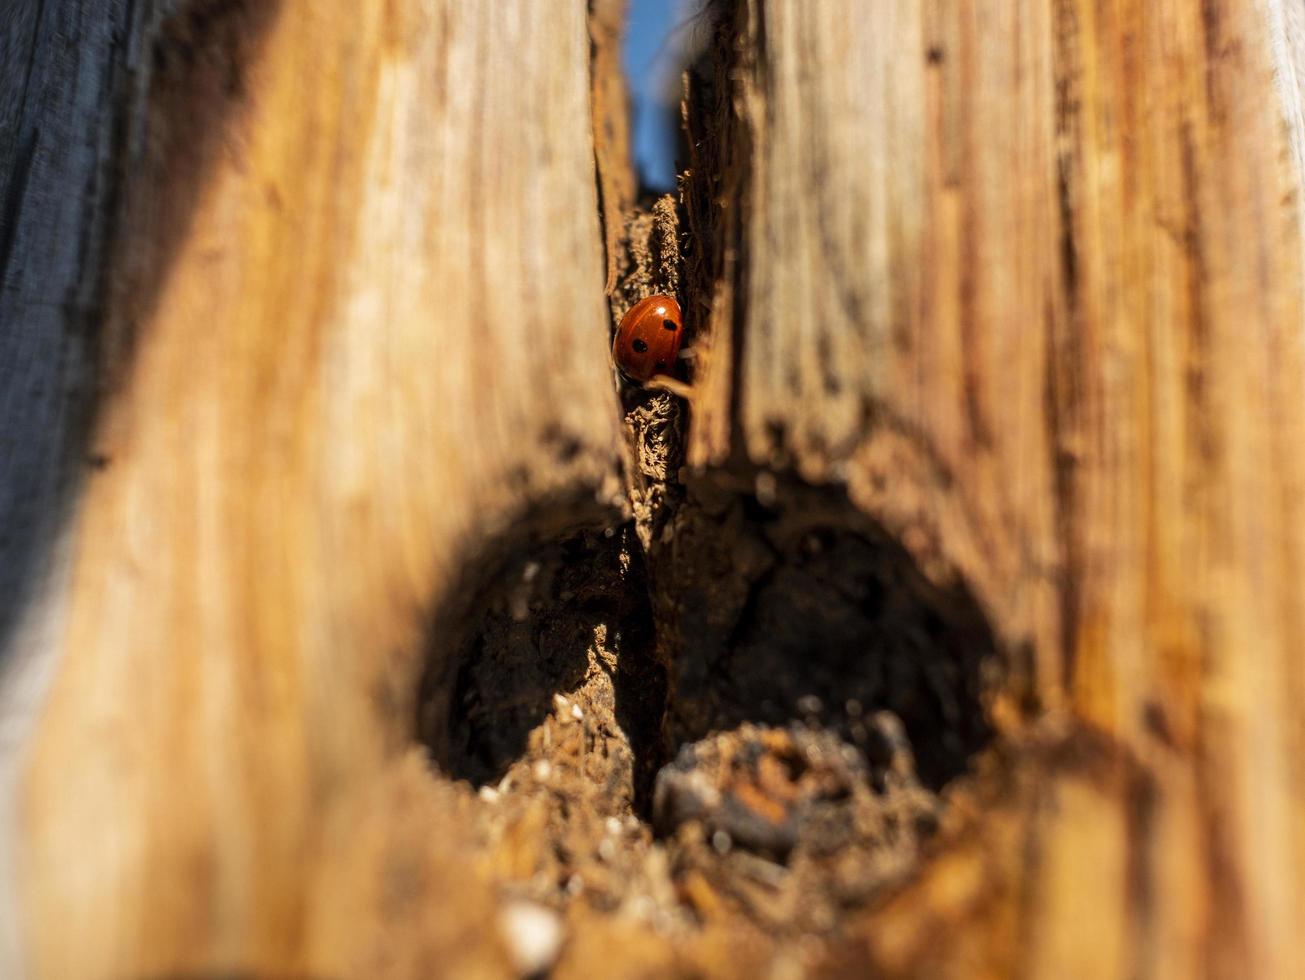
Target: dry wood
[1023, 279]
[57, 191]
[1027, 277]
[356, 330]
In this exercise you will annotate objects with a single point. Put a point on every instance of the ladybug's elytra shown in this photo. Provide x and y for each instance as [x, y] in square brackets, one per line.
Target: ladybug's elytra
[648, 339]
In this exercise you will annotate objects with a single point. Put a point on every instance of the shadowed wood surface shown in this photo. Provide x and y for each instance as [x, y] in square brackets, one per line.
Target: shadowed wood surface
[56, 187]
[62, 68]
[1027, 278]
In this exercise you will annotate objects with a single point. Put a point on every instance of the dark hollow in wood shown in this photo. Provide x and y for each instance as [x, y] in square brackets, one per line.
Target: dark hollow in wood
[790, 606]
[543, 618]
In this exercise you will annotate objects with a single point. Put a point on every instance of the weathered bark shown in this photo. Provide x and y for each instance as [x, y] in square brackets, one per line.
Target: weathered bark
[1003, 300]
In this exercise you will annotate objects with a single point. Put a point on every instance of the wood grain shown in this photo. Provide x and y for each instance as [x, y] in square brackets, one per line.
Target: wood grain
[64, 68]
[360, 251]
[1026, 278]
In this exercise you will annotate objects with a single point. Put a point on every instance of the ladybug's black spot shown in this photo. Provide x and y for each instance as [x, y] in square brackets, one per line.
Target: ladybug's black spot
[660, 365]
[639, 346]
[670, 325]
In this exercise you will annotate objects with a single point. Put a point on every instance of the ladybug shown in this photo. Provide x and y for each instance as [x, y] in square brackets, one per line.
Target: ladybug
[648, 339]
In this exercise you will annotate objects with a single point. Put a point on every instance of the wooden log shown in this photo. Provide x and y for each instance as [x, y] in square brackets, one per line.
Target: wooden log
[1026, 278]
[354, 331]
[1011, 291]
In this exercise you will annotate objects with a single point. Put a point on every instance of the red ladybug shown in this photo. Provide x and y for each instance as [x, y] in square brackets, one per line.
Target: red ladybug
[648, 339]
